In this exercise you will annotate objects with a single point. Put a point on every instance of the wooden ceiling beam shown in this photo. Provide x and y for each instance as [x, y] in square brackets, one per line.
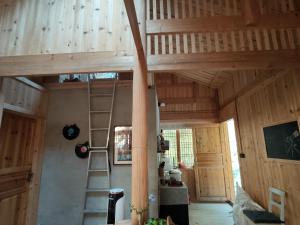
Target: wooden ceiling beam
[221, 23]
[225, 61]
[188, 100]
[64, 63]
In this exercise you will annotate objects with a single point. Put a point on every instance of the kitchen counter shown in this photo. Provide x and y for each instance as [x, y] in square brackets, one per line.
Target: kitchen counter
[174, 195]
[174, 202]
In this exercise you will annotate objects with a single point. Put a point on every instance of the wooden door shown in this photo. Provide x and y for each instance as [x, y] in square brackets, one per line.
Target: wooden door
[209, 164]
[19, 148]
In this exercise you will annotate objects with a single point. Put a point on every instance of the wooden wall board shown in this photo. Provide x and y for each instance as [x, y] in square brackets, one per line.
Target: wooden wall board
[185, 100]
[68, 26]
[22, 97]
[276, 101]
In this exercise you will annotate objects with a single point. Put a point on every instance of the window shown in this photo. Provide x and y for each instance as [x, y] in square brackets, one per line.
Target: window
[84, 77]
[181, 146]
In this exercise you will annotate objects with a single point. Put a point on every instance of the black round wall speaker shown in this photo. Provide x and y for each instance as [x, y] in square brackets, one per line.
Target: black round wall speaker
[71, 132]
[82, 150]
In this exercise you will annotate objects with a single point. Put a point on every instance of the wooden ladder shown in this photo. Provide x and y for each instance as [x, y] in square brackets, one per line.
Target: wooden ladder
[101, 102]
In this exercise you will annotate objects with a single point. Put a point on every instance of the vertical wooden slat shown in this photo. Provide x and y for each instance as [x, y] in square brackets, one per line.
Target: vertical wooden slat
[266, 39]
[191, 11]
[235, 7]
[170, 37]
[163, 37]
[274, 39]
[156, 46]
[201, 44]
[258, 39]
[291, 40]
[208, 42]
[177, 37]
[149, 45]
[217, 42]
[283, 39]
[212, 8]
[197, 8]
[250, 40]
[283, 6]
[205, 8]
[193, 43]
[148, 10]
[227, 6]
[154, 10]
[233, 41]
[225, 41]
[242, 41]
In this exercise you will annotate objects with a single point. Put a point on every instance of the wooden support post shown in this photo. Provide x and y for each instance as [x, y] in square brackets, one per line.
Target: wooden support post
[250, 12]
[136, 14]
[1, 99]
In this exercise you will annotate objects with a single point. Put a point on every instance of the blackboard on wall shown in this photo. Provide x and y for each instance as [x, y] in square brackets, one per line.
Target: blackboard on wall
[283, 141]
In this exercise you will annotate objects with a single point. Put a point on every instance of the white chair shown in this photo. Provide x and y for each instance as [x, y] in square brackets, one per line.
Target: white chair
[272, 203]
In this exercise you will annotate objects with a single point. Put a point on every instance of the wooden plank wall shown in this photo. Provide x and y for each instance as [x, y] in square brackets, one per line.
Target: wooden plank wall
[16, 141]
[271, 102]
[17, 135]
[23, 98]
[233, 40]
[66, 26]
[185, 100]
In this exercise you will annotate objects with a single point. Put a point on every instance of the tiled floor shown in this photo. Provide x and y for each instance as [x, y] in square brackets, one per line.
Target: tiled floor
[210, 214]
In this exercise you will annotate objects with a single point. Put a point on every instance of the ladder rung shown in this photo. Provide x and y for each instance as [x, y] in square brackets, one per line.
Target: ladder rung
[98, 151]
[97, 190]
[95, 211]
[97, 129]
[98, 170]
[101, 95]
[94, 147]
[95, 111]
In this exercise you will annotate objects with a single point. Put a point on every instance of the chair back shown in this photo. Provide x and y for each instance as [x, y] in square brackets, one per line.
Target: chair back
[272, 202]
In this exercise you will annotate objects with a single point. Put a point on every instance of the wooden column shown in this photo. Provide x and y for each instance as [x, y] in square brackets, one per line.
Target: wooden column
[1, 99]
[136, 15]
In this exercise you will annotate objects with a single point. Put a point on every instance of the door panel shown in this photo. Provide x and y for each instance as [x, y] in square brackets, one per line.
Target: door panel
[209, 164]
[16, 158]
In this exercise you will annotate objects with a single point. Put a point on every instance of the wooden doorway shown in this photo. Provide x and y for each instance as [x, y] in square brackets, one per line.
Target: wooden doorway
[212, 167]
[19, 153]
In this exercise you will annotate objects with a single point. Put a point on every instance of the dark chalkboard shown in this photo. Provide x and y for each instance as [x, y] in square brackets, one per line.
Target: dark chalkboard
[283, 141]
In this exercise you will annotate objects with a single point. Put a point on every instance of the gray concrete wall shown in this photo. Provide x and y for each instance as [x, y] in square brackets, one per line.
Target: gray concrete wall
[64, 175]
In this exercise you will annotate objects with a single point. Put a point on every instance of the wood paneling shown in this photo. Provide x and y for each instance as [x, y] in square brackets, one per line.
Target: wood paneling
[185, 100]
[52, 27]
[278, 100]
[23, 97]
[212, 35]
[16, 135]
